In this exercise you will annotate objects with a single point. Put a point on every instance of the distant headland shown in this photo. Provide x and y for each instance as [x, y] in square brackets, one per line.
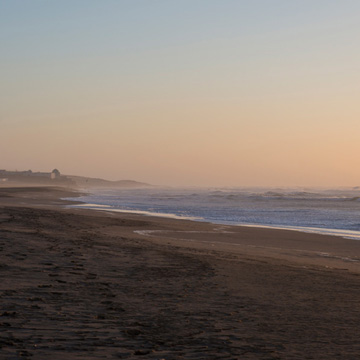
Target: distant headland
[55, 178]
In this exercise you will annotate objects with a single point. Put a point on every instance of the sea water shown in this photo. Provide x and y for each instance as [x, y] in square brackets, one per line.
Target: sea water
[327, 211]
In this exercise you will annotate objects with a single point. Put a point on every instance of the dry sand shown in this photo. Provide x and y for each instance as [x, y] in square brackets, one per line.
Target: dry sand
[95, 285]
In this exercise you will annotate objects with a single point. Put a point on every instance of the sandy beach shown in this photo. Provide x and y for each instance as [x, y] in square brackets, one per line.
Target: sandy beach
[85, 284]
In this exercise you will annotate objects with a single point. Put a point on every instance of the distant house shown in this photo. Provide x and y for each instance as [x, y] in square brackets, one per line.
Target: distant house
[55, 174]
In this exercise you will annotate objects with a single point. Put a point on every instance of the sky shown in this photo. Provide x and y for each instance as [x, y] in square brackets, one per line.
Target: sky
[183, 92]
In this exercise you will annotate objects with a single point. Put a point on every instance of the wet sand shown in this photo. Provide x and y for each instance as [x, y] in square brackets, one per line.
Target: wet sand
[88, 284]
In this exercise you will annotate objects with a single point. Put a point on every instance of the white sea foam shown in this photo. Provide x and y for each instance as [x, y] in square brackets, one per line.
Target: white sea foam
[92, 206]
[139, 212]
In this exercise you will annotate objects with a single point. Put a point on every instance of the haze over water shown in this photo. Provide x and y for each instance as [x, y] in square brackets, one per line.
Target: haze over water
[183, 92]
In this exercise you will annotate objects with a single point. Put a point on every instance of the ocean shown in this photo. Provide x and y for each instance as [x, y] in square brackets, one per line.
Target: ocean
[324, 211]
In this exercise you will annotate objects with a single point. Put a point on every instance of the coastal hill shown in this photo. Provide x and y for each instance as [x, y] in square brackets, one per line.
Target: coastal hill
[55, 178]
[85, 182]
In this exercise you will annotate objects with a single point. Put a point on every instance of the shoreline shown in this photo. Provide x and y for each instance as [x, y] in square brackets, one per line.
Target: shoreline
[326, 256]
[344, 233]
[88, 284]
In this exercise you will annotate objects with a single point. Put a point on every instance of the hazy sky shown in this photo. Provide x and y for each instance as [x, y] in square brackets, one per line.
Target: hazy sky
[183, 92]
